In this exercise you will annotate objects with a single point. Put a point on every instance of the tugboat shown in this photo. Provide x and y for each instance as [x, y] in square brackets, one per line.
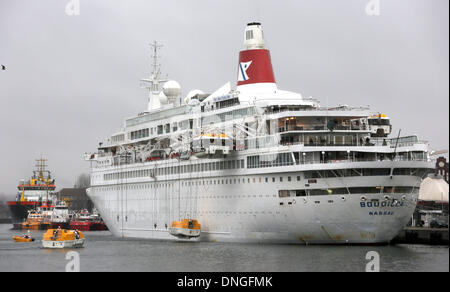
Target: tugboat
[34, 221]
[45, 217]
[87, 222]
[62, 238]
[59, 216]
[32, 192]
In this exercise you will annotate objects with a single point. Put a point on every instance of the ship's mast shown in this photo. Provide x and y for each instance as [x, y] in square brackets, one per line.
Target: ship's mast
[41, 167]
[156, 67]
[153, 83]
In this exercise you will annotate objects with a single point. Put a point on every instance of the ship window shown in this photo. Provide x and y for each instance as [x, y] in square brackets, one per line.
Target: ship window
[298, 178]
[283, 193]
[289, 178]
[300, 193]
[403, 190]
[249, 34]
[281, 179]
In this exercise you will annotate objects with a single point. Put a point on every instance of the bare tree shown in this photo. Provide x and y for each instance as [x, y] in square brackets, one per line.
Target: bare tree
[4, 211]
[83, 181]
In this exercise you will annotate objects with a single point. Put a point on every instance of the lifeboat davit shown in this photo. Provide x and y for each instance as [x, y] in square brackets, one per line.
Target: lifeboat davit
[62, 238]
[186, 228]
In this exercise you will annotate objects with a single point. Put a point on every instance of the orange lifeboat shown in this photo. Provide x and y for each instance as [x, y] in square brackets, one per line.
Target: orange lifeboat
[62, 238]
[24, 238]
[186, 228]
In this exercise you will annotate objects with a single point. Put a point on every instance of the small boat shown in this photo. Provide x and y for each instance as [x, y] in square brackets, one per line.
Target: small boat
[31, 225]
[23, 238]
[85, 221]
[62, 238]
[186, 228]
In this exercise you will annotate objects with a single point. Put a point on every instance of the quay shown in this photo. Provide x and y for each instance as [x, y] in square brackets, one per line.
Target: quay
[422, 235]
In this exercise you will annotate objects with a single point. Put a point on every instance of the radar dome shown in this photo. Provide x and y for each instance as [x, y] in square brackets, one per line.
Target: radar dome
[191, 94]
[172, 89]
[162, 98]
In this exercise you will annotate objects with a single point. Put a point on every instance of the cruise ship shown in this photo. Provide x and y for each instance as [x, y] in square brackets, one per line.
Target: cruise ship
[256, 164]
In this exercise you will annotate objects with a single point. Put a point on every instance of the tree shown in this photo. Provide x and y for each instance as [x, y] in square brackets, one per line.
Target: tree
[83, 181]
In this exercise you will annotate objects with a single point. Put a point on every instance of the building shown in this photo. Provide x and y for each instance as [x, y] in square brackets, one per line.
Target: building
[76, 198]
[442, 168]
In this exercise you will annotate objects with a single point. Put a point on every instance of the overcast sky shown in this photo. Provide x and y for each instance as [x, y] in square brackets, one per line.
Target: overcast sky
[71, 80]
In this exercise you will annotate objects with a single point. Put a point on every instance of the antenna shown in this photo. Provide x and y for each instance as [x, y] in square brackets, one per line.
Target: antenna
[156, 67]
[153, 82]
[41, 166]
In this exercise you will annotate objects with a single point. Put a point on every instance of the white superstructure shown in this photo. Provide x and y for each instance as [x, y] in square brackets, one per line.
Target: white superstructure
[255, 164]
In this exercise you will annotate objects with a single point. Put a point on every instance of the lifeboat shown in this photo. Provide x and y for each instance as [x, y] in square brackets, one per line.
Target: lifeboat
[62, 238]
[186, 228]
[211, 144]
[23, 238]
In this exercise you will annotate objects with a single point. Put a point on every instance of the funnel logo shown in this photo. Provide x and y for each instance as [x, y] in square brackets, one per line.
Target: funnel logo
[243, 67]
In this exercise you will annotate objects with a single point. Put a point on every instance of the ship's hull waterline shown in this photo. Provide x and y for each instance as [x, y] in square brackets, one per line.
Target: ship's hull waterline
[255, 213]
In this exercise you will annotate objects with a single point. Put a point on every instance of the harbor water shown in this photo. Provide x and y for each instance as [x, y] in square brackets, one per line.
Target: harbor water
[104, 252]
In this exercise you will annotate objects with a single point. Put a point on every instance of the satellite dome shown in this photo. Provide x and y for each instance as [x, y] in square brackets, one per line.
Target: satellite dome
[433, 189]
[171, 89]
[191, 94]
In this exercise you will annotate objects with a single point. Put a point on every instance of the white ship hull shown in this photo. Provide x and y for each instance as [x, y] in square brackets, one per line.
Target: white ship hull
[254, 212]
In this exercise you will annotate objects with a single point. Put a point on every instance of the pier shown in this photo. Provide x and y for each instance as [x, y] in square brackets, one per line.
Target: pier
[422, 235]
